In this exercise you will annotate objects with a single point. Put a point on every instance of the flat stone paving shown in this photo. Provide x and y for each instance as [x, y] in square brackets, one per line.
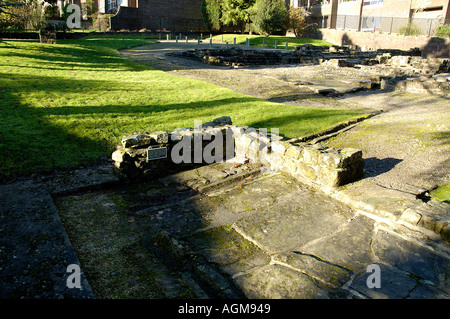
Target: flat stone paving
[252, 234]
[261, 236]
[317, 247]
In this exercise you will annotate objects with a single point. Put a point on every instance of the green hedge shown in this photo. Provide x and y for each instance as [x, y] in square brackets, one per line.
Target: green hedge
[443, 31]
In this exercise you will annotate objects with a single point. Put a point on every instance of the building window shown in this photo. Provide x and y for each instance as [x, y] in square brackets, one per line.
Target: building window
[372, 2]
[111, 4]
[370, 23]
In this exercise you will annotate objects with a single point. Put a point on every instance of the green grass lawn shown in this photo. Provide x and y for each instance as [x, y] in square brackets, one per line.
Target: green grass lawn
[257, 40]
[66, 105]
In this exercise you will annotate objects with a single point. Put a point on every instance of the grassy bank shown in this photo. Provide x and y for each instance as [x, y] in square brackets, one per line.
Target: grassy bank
[69, 104]
[258, 40]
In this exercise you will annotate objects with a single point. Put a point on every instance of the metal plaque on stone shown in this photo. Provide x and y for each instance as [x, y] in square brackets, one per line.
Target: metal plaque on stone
[155, 153]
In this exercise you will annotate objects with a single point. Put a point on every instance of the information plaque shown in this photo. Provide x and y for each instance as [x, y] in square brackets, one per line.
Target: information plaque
[156, 153]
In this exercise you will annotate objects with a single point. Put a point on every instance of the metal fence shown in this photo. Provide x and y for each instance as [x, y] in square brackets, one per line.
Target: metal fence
[406, 26]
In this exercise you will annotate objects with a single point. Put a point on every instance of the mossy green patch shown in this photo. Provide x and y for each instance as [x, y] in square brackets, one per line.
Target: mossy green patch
[442, 193]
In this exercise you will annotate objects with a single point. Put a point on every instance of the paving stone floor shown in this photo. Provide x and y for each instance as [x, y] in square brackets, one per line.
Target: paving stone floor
[262, 235]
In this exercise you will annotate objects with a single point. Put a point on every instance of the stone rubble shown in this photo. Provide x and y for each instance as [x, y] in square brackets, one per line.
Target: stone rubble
[400, 70]
[404, 71]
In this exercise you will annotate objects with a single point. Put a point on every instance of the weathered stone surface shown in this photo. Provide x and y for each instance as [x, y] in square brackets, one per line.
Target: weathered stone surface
[394, 284]
[278, 282]
[160, 137]
[136, 140]
[407, 256]
[348, 247]
[226, 248]
[376, 199]
[47, 35]
[313, 163]
[293, 222]
[428, 292]
[315, 267]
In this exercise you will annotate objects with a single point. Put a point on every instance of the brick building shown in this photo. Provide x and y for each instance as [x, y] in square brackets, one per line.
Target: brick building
[154, 15]
[377, 15]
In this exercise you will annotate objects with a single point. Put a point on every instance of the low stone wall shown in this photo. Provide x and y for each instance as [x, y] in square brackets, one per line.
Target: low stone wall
[219, 140]
[431, 47]
[239, 57]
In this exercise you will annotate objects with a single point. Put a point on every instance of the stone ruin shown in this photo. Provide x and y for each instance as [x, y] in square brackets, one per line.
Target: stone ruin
[406, 71]
[400, 70]
[312, 164]
[235, 57]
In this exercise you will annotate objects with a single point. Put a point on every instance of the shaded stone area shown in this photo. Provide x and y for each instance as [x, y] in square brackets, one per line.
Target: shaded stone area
[266, 237]
[262, 236]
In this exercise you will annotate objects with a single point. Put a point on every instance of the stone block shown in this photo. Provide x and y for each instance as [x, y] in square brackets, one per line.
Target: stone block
[330, 159]
[160, 137]
[411, 216]
[120, 156]
[294, 152]
[310, 155]
[291, 166]
[136, 140]
[307, 171]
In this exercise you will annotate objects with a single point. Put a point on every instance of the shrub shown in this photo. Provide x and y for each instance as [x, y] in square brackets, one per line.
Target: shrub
[410, 29]
[443, 31]
[211, 13]
[101, 22]
[270, 17]
[297, 21]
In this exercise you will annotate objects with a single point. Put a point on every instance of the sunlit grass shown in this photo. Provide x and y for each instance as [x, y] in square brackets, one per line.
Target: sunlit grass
[269, 42]
[68, 104]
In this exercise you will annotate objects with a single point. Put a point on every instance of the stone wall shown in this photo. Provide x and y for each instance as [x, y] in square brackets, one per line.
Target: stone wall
[308, 163]
[239, 57]
[431, 47]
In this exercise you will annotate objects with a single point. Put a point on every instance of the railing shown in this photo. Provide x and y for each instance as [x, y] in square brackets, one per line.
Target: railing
[406, 26]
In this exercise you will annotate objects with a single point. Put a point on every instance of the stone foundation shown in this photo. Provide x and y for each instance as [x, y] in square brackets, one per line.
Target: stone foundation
[219, 141]
[239, 57]
[410, 72]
